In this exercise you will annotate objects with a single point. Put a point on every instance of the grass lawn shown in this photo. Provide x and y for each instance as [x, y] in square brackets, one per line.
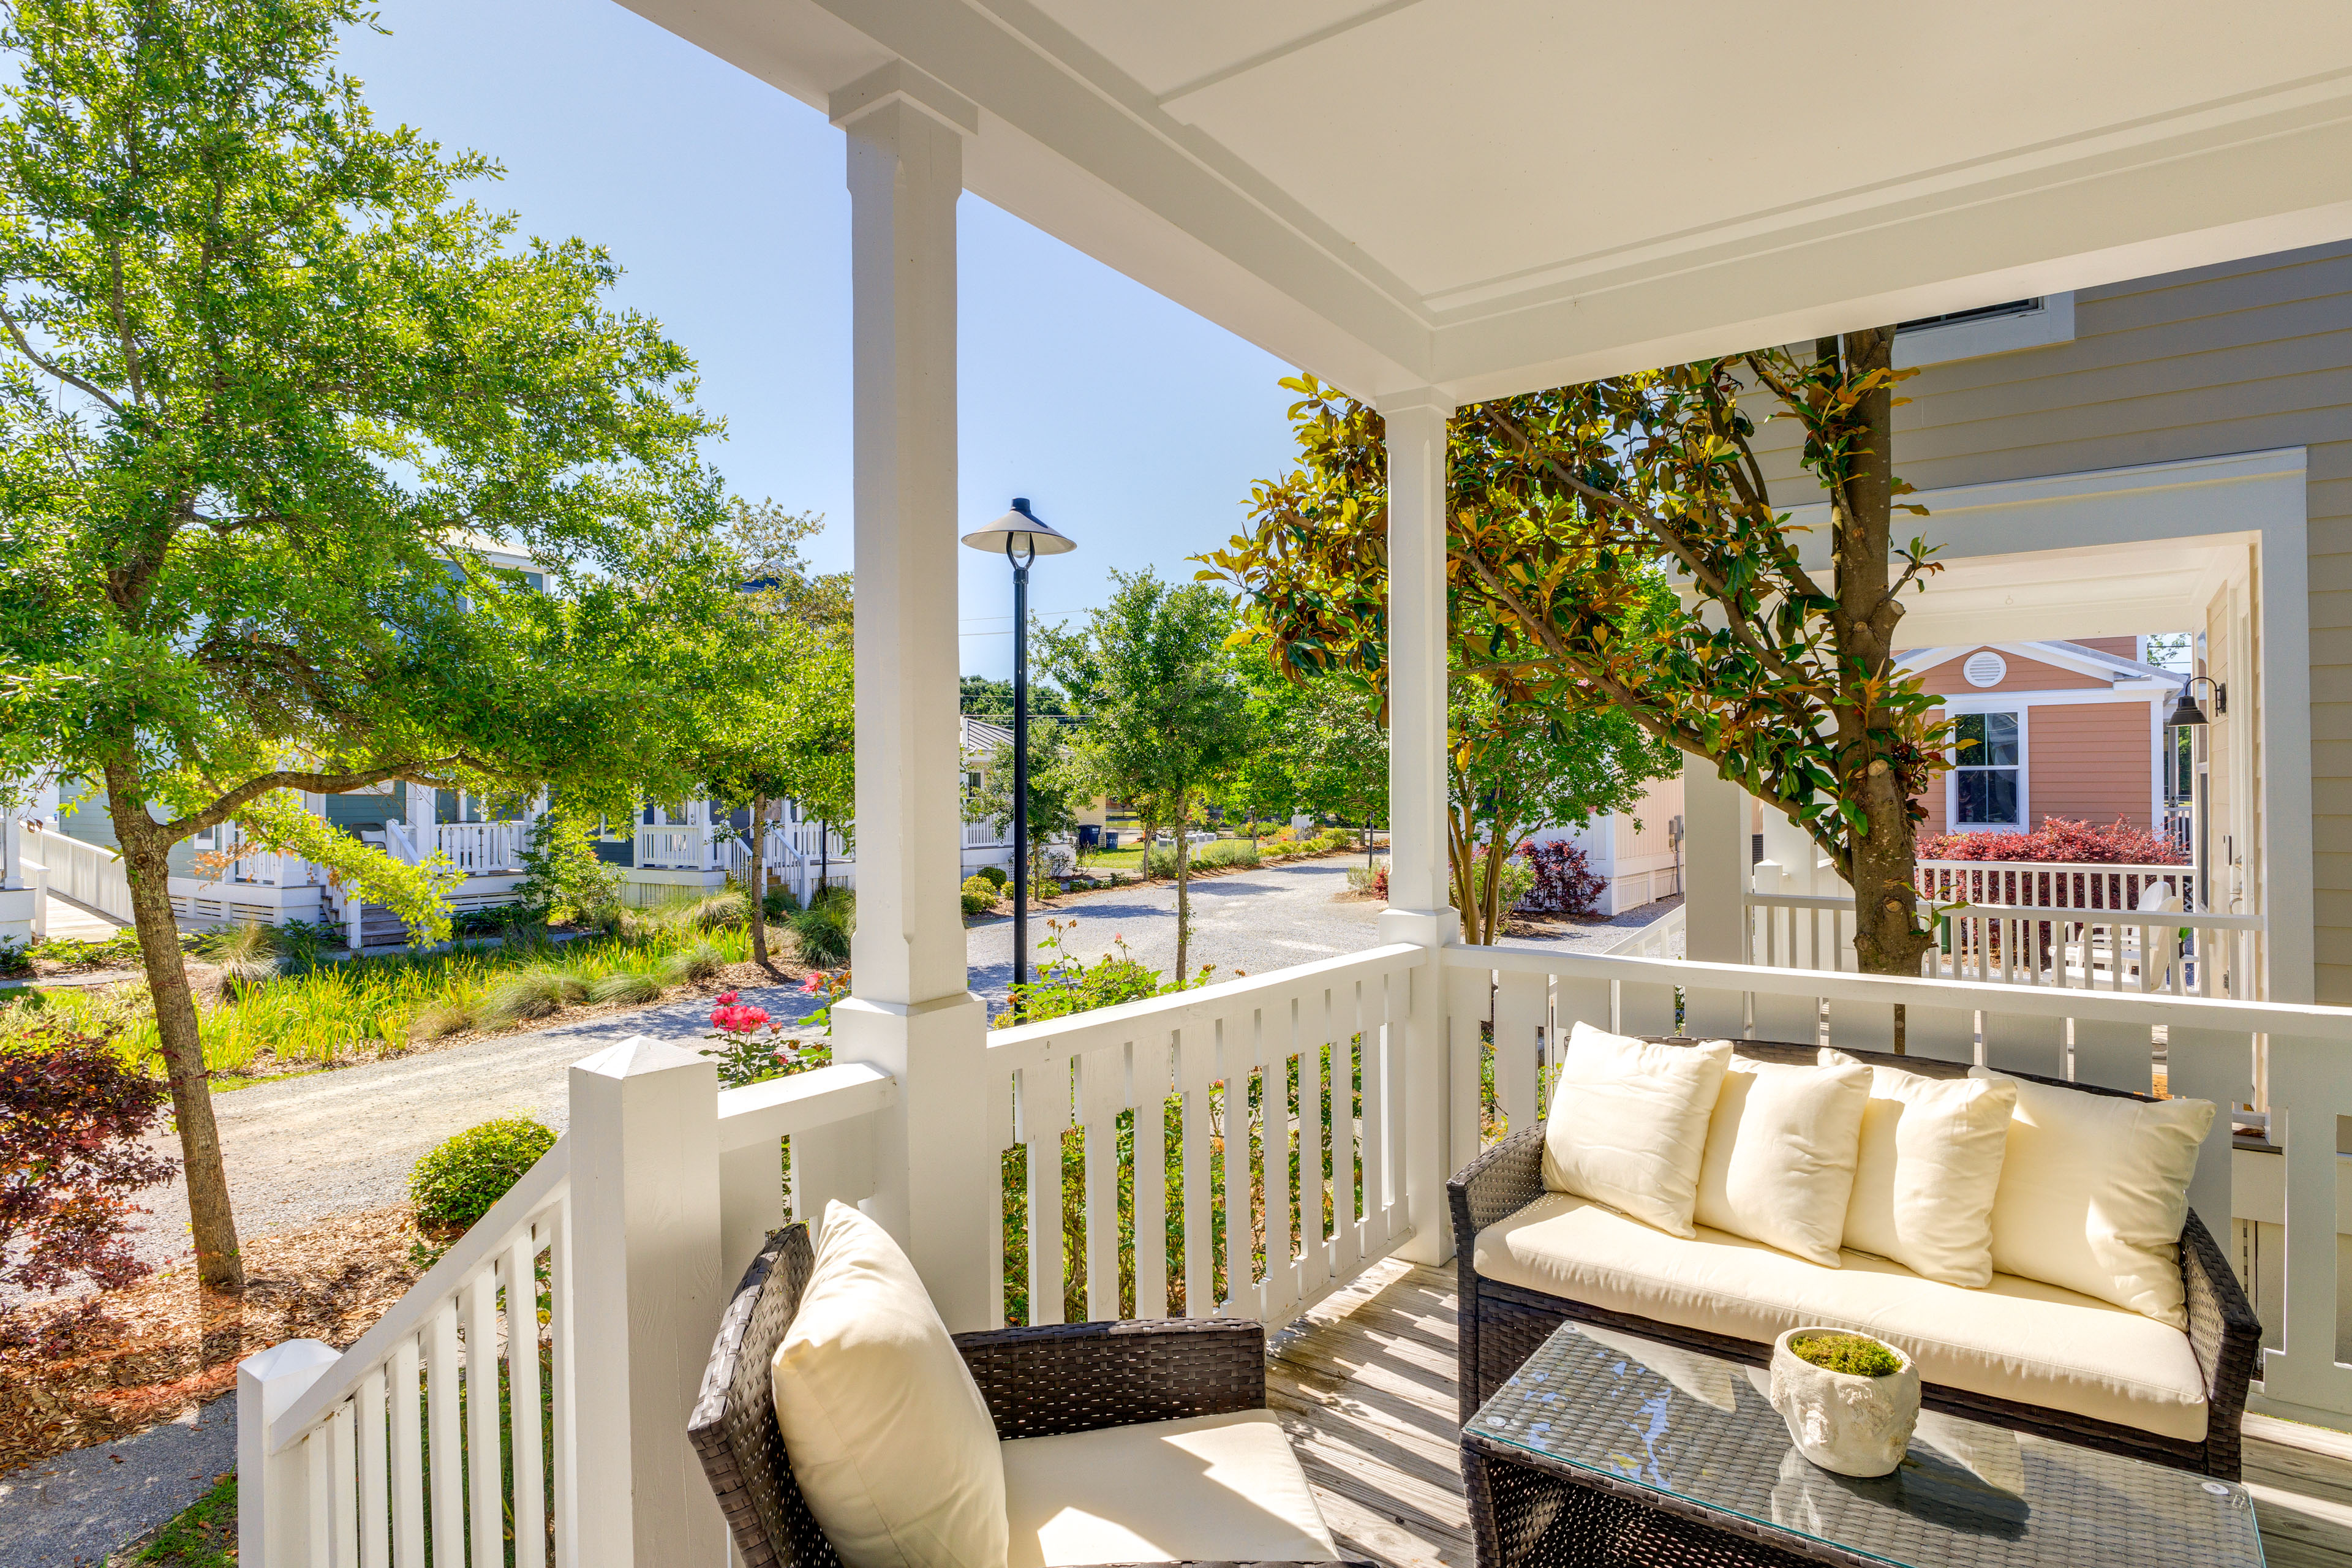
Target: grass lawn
[202, 1534]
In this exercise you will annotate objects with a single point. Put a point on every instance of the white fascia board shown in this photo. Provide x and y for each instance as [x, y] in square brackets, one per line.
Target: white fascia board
[1974, 701]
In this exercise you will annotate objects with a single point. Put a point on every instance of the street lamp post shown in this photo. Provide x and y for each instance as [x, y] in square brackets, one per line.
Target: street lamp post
[1022, 537]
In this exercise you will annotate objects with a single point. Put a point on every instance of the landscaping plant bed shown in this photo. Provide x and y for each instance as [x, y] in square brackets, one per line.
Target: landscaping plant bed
[165, 1347]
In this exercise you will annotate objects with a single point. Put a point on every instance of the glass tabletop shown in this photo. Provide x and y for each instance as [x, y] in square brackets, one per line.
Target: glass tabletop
[1702, 1430]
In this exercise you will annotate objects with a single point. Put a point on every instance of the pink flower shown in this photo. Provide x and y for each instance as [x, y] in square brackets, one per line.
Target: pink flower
[728, 998]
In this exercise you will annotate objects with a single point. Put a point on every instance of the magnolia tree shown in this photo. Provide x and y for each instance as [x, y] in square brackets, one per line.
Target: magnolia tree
[272, 390]
[1564, 507]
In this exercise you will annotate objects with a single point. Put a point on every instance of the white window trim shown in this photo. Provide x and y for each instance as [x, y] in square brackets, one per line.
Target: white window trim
[2052, 322]
[1988, 703]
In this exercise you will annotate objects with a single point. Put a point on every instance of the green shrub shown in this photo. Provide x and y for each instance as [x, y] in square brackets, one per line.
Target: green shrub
[720, 911]
[979, 895]
[995, 875]
[1857, 1355]
[451, 1015]
[779, 903]
[561, 870]
[634, 986]
[1228, 852]
[456, 1185]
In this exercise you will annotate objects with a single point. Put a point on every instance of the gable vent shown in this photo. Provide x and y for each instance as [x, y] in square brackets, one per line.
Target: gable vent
[1985, 668]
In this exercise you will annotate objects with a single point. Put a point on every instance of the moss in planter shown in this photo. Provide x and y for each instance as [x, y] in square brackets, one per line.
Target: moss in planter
[1855, 1354]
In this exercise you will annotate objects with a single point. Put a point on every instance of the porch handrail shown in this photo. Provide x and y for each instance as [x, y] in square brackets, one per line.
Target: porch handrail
[1651, 940]
[1329, 1022]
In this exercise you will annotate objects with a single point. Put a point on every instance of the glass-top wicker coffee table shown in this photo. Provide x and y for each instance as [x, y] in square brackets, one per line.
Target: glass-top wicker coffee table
[1611, 1448]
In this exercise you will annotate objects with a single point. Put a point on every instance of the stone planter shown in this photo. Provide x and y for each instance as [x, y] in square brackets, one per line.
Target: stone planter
[1851, 1424]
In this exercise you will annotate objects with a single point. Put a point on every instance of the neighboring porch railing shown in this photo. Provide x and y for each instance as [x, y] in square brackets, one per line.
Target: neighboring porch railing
[2115, 948]
[2045, 884]
[89, 874]
[673, 845]
[1662, 937]
[2210, 1049]
[480, 848]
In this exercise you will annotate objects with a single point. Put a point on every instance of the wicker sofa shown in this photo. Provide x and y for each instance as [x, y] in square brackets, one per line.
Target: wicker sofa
[1036, 1382]
[1502, 1323]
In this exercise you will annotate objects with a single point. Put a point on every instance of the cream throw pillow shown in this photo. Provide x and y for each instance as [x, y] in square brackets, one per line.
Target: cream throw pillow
[889, 1439]
[2094, 1192]
[1928, 1171]
[1780, 1153]
[1628, 1124]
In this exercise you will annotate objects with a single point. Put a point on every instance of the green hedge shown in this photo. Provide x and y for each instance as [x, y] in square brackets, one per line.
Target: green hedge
[457, 1183]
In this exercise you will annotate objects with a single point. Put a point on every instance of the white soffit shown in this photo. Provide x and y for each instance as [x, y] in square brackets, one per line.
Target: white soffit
[1491, 195]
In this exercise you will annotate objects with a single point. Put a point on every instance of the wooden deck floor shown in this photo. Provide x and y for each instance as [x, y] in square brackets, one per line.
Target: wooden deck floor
[1366, 1388]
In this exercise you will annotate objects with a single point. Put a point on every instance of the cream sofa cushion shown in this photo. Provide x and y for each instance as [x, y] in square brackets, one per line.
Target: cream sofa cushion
[1628, 1123]
[2095, 1191]
[1928, 1171]
[2017, 1339]
[1780, 1152]
[1208, 1487]
[889, 1439]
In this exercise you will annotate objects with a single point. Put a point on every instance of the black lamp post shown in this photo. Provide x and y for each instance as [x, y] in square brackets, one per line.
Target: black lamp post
[1023, 537]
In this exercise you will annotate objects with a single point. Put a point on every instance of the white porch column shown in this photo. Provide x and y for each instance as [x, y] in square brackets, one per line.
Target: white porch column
[12, 850]
[912, 1011]
[698, 820]
[424, 807]
[1717, 851]
[1420, 909]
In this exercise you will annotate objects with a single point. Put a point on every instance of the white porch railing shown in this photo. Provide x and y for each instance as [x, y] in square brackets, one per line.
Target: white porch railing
[2046, 884]
[673, 845]
[1662, 937]
[2061, 946]
[89, 874]
[373, 1458]
[1219, 1063]
[480, 849]
[983, 836]
[2211, 1049]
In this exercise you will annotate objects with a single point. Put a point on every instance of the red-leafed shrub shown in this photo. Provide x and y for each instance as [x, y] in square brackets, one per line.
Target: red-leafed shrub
[1566, 883]
[71, 1115]
[2060, 840]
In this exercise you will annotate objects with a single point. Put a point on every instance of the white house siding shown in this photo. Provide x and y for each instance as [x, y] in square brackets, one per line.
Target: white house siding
[2248, 356]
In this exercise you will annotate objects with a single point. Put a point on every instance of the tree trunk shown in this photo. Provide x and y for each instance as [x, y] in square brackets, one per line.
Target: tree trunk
[1183, 885]
[146, 859]
[759, 913]
[1144, 821]
[1889, 938]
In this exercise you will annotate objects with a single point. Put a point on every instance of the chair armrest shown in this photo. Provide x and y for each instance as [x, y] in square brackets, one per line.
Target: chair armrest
[1496, 1185]
[2223, 1332]
[1080, 1377]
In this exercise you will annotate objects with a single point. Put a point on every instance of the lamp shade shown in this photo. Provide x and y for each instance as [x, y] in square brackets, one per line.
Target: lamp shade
[2186, 712]
[1022, 530]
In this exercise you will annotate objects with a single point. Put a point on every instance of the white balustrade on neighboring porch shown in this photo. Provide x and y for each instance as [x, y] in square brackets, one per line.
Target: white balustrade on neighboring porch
[87, 873]
[481, 848]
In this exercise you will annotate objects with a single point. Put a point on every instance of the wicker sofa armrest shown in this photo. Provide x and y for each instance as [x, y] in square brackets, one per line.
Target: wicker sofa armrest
[2225, 1334]
[1497, 1184]
[1079, 1377]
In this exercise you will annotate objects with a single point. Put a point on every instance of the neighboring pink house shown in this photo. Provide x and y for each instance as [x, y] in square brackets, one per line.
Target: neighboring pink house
[2060, 729]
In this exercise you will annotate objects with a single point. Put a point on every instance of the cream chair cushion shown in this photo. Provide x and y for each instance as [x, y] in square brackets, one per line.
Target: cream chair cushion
[1628, 1123]
[1208, 1487]
[2016, 1338]
[2095, 1191]
[1780, 1152]
[889, 1439]
[1928, 1171]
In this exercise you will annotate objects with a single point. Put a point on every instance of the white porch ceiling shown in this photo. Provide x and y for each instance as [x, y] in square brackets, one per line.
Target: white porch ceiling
[1490, 195]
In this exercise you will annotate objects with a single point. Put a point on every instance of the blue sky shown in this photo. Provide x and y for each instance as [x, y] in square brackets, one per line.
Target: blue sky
[1136, 428]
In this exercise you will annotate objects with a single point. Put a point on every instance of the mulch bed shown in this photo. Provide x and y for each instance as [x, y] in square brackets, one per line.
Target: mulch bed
[165, 1346]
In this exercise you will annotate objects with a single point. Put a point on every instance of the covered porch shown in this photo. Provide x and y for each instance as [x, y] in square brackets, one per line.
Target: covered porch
[1408, 267]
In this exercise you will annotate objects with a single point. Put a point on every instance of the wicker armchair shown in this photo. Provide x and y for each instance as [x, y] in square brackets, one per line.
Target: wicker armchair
[1037, 1383]
[1501, 1325]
